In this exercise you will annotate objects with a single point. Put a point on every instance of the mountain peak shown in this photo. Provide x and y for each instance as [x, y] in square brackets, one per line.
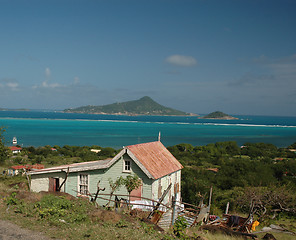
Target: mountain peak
[146, 98]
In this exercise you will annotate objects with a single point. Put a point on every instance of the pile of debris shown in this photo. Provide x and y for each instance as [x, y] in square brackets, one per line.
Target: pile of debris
[164, 215]
[228, 224]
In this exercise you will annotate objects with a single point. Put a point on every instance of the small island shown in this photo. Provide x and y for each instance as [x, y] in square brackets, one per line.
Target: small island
[218, 115]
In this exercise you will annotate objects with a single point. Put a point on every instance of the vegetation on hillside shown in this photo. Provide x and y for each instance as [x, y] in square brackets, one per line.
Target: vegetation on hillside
[3, 149]
[143, 106]
[53, 156]
[255, 172]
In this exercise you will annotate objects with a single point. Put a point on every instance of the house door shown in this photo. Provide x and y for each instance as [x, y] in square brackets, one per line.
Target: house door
[136, 194]
[54, 184]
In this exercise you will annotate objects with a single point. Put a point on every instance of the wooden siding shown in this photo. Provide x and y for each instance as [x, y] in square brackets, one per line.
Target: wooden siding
[103, 175]
[161, 184]
[71, 184]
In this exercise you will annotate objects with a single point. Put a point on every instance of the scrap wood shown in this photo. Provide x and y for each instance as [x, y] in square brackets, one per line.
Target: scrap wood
[156, 216]
[203, 215]
[160, 201]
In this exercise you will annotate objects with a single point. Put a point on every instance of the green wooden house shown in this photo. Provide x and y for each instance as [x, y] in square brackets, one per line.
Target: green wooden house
[151, 162]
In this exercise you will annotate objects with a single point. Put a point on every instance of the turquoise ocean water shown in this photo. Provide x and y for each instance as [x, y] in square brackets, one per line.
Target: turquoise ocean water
[34, 128]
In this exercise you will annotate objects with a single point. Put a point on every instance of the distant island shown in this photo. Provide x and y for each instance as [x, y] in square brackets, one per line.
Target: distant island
[218, 115]
[20, 109]
[143, 106]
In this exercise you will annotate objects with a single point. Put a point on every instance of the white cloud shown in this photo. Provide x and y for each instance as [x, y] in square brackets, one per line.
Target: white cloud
[10, 84]
[47, 73]
[180, 60]
[76, 80]
[46, 83]
[52, 85]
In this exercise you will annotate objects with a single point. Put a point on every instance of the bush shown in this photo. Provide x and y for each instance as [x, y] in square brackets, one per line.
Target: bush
[179, 227]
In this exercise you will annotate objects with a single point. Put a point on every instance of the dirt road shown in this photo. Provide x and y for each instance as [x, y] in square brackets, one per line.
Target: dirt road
[10, 231]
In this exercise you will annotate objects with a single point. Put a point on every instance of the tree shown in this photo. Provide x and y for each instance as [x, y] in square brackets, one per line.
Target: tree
[107, 153]
[114, 186]
[131, 182]
[3, 153]
[268, 201]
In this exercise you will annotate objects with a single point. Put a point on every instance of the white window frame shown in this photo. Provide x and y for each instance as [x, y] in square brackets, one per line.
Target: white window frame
[127, 165]
[84, 184]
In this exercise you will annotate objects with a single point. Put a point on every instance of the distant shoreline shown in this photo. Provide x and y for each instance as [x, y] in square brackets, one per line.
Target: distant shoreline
[16, 110]
[133, 114]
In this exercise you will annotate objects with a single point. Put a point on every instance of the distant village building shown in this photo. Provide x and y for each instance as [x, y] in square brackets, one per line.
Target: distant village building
[15, 150]
[96, 150]
[151, 162]
[15, 170]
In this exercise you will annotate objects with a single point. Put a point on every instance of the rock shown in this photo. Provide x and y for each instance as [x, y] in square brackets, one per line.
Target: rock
[269, 236]
[201, 238]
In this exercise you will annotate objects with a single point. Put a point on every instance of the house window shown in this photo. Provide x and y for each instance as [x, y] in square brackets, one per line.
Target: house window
[83, 184]
[126, 165]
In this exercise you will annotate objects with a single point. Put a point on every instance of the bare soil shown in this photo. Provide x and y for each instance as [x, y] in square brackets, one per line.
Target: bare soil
[10, 231]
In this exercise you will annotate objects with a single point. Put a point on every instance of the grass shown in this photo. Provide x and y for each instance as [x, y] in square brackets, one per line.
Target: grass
[65, 217]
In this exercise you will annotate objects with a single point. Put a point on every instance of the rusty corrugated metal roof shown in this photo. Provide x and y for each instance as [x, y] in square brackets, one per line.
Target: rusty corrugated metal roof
[14, 148]
[155, 158]
[82, 166]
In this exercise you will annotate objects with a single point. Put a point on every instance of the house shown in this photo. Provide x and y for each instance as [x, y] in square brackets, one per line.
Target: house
[17, 169]
[15, 150]
[151, 162]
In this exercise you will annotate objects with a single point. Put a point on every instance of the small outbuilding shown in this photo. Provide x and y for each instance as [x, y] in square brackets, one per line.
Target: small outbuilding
[151, 162]
[15, 150]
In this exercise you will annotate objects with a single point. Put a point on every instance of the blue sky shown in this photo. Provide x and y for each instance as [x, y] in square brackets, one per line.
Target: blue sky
[235, 56]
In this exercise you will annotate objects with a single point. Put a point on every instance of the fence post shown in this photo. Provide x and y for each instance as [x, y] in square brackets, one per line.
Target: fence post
[174, 209]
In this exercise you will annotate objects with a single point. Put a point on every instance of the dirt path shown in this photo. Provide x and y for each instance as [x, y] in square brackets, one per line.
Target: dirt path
[10, 231]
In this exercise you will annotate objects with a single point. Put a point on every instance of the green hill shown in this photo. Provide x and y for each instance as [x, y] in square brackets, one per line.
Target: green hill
[143, 106]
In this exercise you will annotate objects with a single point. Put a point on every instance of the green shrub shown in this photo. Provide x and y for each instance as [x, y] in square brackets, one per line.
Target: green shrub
[12, 200]
[60, 209]
[179, 227]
